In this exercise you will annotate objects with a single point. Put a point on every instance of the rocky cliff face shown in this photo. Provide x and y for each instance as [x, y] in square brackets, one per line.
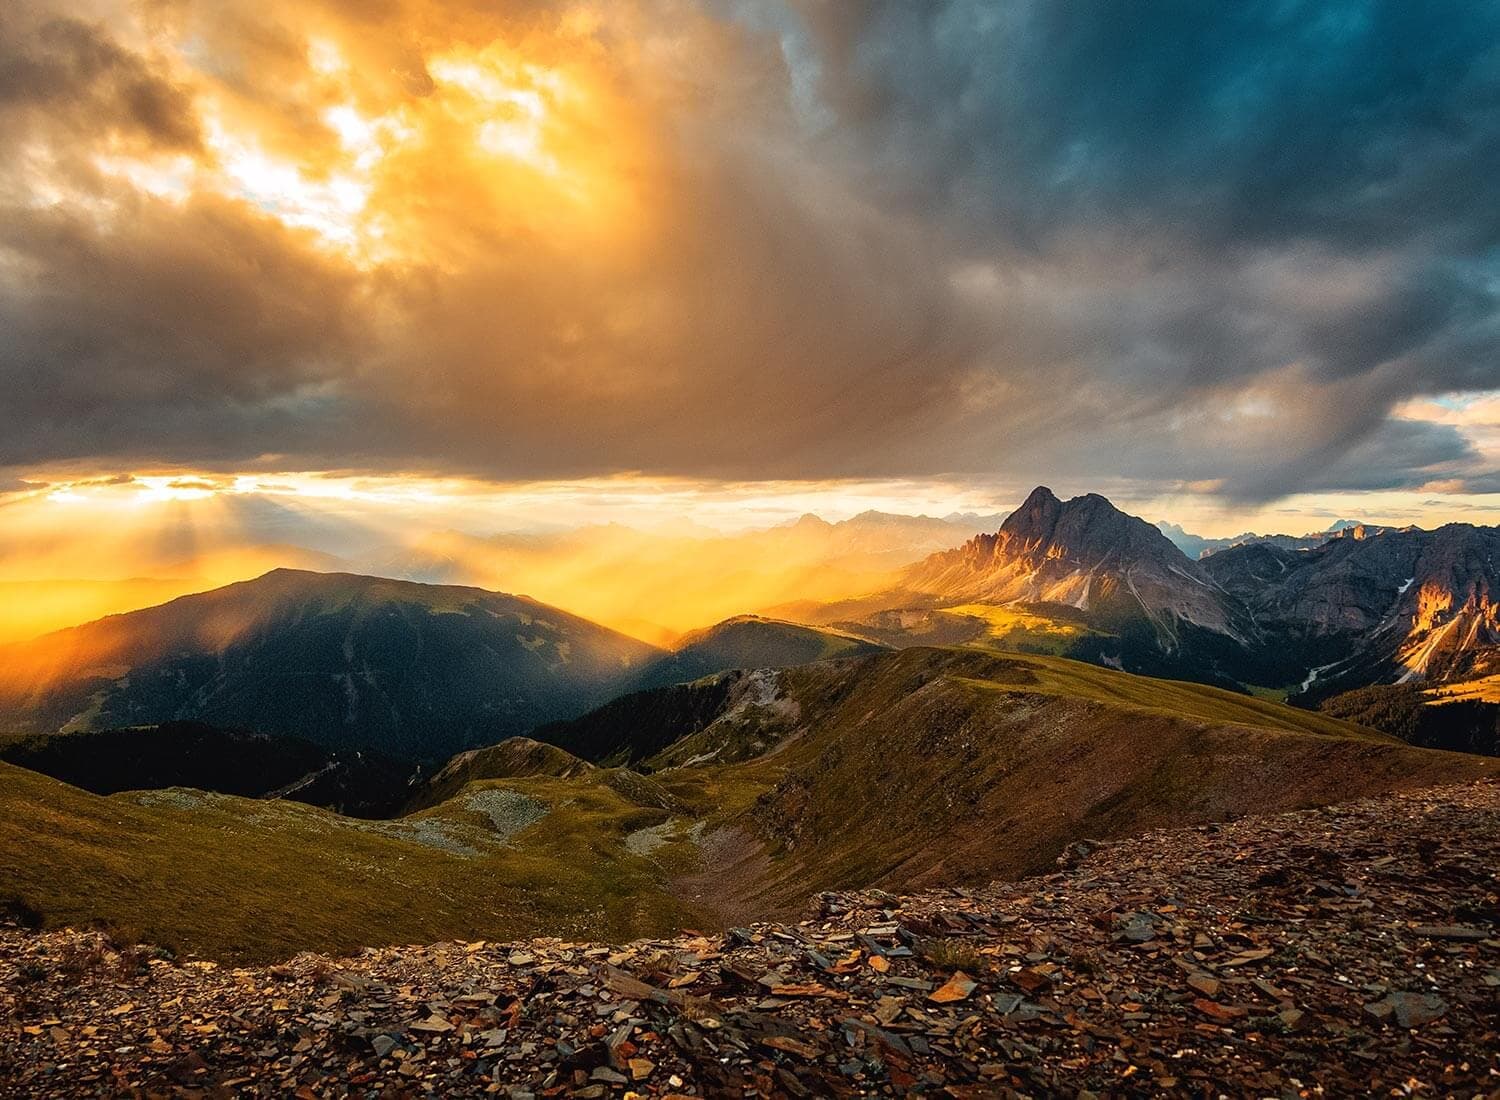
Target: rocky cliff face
[1391, 604]
[1087, 554]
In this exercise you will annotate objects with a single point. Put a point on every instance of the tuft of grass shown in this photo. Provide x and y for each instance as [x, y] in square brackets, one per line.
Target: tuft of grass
[954, 954]
[1269, 694]
[98, 957]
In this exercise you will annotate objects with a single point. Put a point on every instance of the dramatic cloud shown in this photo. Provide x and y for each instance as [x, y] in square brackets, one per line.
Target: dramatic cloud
[1233, 250]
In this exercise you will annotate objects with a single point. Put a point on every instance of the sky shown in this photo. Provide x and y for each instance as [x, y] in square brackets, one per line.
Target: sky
[528, 264]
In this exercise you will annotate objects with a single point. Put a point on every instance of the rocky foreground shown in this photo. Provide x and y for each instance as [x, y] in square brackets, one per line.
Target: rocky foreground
[1346, 951]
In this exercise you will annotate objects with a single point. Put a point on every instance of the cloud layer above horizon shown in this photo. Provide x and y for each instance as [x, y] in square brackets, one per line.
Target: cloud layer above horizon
[1247, 250]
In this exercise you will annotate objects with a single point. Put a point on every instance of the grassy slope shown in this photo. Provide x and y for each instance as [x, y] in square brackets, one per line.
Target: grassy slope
[1059, 676]
[1011, 627]
[233, 878]
[1483, 690]
[747, 642]
[754, 634]
[1008, 628]
[905, 769]
[951, 768]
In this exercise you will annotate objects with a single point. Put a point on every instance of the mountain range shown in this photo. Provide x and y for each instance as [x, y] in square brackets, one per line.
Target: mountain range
[404, 670]
[1362, 605]
[526, 771]
[1196, 546]
[420, 672]
[1373, 606]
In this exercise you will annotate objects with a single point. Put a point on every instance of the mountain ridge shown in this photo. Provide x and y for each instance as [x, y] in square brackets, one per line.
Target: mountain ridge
[1365, 604]
[1393, 605]
[345, 660]
[749, 642]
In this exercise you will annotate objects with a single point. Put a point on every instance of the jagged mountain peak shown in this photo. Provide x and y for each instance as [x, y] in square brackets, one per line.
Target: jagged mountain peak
[1083, 552]
[1088, 529]
[1040, 497]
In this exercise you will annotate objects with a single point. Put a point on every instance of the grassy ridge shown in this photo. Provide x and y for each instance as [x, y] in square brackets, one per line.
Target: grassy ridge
[961, 765]
[1059, 676]
[241, 879]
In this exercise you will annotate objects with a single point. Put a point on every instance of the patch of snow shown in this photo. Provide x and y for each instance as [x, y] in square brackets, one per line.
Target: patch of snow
[305, 781]
[1315, 673]
[1187, 576]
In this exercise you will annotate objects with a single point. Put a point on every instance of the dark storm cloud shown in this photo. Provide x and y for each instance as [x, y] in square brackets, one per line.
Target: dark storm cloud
[1308, 183]
[1483, 483]
[193, 335]
[1177, 242]
[81, 78]
[1362, 122]
[1397, 454]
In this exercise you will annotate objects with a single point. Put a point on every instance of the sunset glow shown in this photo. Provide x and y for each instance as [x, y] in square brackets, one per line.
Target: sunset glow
[322, 283]
[650, 556]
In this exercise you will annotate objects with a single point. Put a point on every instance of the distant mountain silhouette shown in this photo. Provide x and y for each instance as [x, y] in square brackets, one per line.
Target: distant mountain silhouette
[345, 661]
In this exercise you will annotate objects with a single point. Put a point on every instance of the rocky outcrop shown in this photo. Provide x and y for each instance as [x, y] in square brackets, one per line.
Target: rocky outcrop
[1087, 554]
[513, 758]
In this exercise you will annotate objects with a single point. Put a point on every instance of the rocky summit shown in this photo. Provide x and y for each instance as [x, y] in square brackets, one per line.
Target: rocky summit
[1350, 950]
[1083, 553]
